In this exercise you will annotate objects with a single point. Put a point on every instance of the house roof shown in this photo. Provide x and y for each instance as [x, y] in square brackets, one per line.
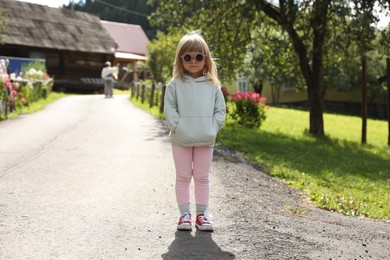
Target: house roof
[131, 38]
[129, 56]
[40, 26]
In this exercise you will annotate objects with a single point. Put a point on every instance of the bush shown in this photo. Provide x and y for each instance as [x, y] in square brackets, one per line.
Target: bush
[249, 109]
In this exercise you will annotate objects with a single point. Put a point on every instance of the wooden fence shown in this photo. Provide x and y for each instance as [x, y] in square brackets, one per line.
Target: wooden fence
[154, 94]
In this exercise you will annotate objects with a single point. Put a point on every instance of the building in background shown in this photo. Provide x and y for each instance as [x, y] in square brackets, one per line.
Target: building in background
[132, 48]
[73, 44]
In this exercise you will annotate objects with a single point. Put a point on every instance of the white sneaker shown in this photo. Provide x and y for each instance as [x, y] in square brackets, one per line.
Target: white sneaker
[203, 223]
[184, 222]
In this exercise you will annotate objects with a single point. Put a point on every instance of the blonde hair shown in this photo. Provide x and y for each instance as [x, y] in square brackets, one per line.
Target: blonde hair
[194, 42]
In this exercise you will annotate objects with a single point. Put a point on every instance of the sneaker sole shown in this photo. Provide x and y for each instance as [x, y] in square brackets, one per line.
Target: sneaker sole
[184, 228]
[205, 228]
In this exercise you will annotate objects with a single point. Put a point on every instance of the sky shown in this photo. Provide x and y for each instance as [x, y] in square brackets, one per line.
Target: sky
[58, 3]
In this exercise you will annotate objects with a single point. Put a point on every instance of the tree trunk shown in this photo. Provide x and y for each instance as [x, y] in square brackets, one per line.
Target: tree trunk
[316, 109]
[285, 16]
[313, 79]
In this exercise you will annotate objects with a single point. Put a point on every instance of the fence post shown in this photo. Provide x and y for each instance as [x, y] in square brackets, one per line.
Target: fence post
[137, 90]
[131, 90]
[156, 99]
[364, 100]
[162, 98]
[151, 99]
[143, 93]
[388, 98]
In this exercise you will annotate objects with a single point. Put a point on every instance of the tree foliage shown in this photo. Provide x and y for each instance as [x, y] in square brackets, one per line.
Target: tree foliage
[161, 55]
[123, 11]
[229, 25]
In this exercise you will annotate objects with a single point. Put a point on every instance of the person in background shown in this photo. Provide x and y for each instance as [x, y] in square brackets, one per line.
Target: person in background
[195, 112]
[108, 75]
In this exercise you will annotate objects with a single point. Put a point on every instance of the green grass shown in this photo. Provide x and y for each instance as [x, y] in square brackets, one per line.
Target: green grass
[35, 106]
[336, 171]
[120, 92]
[155, 110]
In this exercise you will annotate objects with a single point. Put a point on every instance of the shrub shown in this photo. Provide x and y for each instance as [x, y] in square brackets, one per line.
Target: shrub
[249, 109]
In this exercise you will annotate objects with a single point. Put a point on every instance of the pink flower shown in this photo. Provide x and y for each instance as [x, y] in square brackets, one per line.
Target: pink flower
[8, 84]
[15, 85]
[24, 101]
[14, 93]
[254, 97]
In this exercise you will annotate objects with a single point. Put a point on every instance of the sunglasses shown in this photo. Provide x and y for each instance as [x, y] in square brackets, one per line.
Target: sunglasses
[188, 57]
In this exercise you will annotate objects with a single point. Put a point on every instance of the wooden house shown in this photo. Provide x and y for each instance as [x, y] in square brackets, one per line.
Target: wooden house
[74, 44]
[132, 45]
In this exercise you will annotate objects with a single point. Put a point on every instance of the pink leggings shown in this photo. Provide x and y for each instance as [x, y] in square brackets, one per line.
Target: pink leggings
[192, 162]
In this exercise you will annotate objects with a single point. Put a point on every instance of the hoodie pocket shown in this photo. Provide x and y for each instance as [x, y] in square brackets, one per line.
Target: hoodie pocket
[196, 130]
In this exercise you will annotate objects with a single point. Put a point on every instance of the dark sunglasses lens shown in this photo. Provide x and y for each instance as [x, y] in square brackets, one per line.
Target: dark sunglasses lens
[187, 58]
[199, 57]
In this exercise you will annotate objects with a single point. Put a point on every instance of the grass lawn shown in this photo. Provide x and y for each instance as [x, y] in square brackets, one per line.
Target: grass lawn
[336, 171]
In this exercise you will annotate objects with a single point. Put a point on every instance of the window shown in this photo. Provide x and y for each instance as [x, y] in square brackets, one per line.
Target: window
[242, 83]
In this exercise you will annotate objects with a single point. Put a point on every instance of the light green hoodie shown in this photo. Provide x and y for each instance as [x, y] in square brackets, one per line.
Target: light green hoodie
[195, 111]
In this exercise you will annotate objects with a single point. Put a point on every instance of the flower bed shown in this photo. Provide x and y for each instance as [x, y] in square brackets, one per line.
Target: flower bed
[18, 92]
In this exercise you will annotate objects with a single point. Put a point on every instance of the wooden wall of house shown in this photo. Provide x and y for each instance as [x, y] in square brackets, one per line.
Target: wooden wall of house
[12, 51]
[75, 65]
[63, 64]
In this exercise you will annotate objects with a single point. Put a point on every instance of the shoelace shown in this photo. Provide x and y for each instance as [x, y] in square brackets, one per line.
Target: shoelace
[204, 220]
[185, 217]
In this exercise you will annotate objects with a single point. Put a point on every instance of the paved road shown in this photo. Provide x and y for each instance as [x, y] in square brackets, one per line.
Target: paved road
[92, 178]
[88, 178]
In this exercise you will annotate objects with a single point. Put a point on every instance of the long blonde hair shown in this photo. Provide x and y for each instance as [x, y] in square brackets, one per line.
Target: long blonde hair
[194, 42]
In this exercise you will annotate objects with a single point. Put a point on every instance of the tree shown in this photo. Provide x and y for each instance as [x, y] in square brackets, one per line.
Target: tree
[228, 26]
[271, 57]
[123, 11]
[161, 55]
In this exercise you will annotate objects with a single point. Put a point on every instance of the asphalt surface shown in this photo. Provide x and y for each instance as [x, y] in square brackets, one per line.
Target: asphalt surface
[93, 178]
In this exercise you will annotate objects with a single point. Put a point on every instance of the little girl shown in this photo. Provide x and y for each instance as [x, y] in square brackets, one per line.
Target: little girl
[195, 112]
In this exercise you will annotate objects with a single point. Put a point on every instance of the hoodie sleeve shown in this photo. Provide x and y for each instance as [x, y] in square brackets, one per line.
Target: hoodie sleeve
[170, 107]
[219, 108]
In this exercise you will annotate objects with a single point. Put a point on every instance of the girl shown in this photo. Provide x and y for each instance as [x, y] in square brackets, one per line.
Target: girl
[195, 112]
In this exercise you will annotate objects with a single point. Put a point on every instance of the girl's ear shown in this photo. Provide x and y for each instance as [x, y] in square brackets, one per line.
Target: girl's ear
[205, 69]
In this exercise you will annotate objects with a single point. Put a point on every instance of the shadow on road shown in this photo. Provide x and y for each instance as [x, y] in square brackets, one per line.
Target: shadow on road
[201, 246]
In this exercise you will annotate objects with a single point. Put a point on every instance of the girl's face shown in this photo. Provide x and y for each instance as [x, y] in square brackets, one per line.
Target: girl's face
[193, 63]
